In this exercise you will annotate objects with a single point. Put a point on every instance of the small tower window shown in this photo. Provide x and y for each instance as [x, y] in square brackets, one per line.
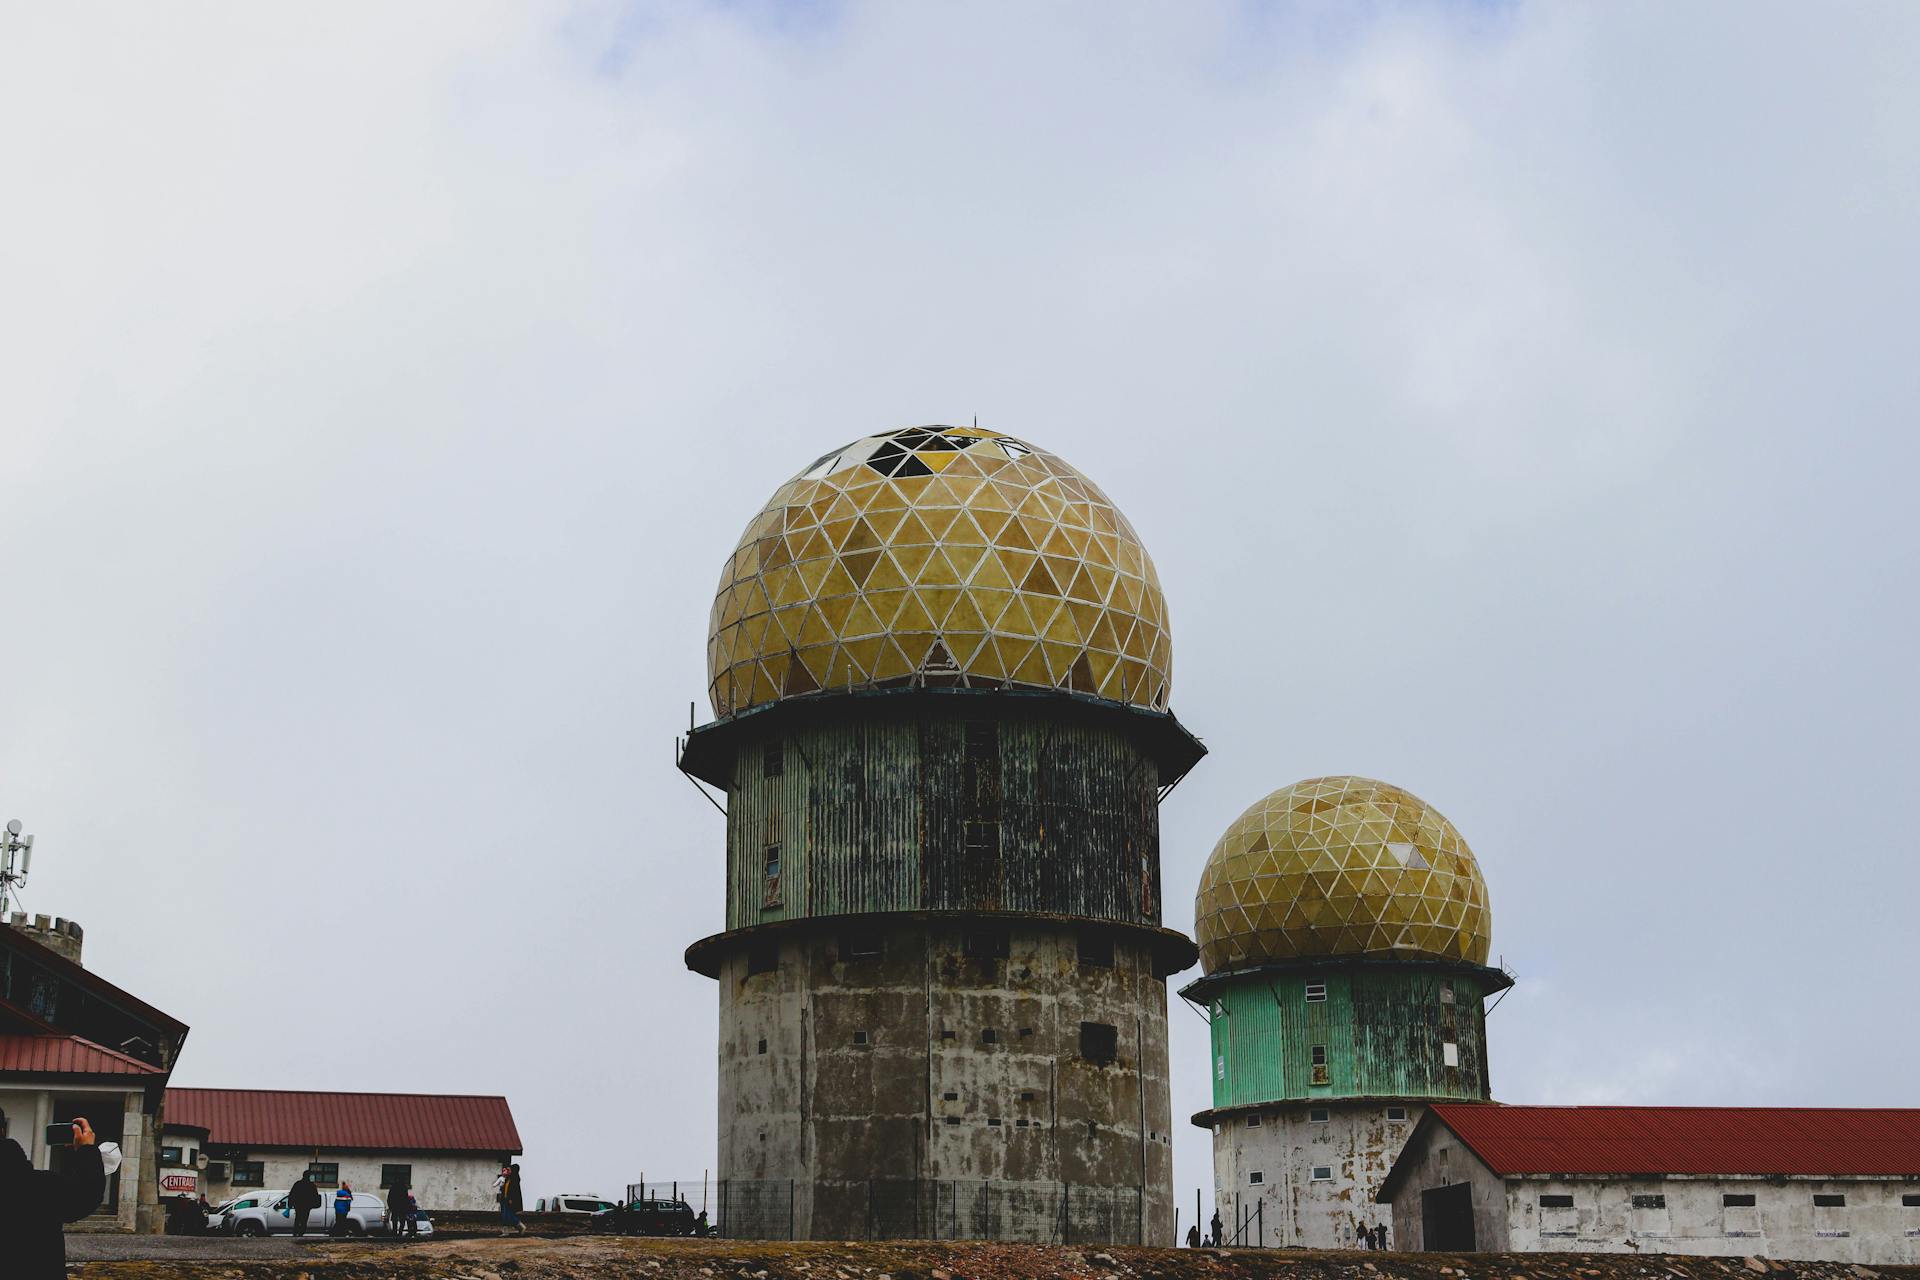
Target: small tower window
[989, 1036]
[1322, 1173]
[860, 1037]
[1253, 1122]
[1396, 1115]
[1256, 1177]
[1446, 993]
[860, 944]
[763, 1044]
[773, 759]
[1316, 992]
[1319, 1115]
[1099, 1042]
[1450, 1054]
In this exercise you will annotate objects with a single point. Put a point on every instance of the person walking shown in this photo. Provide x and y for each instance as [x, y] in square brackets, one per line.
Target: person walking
[512, 1204]
[397, 1197]
[303, 1200]
[36, 1203]
[342, 1209]
[1193, 1236]
[1216, 1228]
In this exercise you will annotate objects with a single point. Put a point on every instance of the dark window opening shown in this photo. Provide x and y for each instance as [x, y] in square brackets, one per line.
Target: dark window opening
[1026, 1031]
[1649, 1202]
[762, 959]
[1096, 950]
[249, 1173]
[953, 1119]
[1256, 1177]
[860, 1037]
[1736, 1202]
[1319, 1115]
[171, 1155]
[1020, 1124]
[773, 759]
[1093, 1130]
[1099, 1042]
[986, 944]
[993, 1122]
[1396, 1115]
[1829, 1202]
[860, 944]
[763, 1044]
[1026, 1095]
[772, 861]
[982, 839]
[1316, 992]
[324, 1174]
[946, 1033]
[951, 1097]
[396, 1175]
[1556, 1202]
[1253, 1122]
[1319, 1055]
[988, 1036]
[1910, 1201]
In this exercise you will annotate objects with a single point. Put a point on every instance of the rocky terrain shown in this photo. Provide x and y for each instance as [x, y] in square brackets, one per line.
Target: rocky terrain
[597, 1258]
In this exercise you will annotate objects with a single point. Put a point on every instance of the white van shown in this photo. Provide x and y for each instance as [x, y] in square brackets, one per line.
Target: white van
[574, 1202]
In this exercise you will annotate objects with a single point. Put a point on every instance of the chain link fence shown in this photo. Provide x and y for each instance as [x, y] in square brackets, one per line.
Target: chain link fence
[910, 1209]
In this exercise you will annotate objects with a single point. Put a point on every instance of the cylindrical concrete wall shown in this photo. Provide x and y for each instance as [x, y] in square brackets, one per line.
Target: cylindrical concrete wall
[1306, 1175]
[995, 1076]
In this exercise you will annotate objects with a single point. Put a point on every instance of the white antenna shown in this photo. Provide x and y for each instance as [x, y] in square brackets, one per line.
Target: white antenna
[16, 859]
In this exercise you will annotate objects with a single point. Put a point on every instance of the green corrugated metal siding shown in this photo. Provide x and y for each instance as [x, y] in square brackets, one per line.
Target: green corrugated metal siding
[1383, 1028]
[874, 813]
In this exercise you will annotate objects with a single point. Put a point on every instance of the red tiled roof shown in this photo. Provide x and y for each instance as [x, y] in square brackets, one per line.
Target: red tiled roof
[69, 1056]
[1699, 1140]
[347, 1121]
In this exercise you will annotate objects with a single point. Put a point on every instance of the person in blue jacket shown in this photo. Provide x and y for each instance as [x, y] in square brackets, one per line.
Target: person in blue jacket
[342, 1206]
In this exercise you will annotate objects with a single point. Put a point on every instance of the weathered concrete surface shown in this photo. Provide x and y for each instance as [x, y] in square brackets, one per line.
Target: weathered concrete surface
[529, 1258]
[1356, 1144]
[956, 1054]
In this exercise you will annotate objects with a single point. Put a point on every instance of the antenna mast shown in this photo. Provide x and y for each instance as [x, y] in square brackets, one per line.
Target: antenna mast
[16, 859]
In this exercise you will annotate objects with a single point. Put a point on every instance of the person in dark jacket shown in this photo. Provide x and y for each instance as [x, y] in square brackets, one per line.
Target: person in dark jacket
[35, 1203]
[398, 1215]
[510, 1200]
[303, 1199]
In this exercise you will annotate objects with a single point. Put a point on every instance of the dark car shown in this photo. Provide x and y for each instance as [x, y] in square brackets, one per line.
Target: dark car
[648, 1218]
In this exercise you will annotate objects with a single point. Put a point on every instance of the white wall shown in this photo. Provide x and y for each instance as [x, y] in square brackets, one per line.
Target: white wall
[439, 1181]
[1356, 1142]
[1873, 1227]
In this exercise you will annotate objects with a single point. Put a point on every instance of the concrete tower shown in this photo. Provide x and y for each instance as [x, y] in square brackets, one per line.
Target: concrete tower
[939, 666]
[1343, 930]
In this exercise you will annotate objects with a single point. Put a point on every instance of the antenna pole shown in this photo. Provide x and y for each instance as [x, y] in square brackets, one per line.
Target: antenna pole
[16, 859]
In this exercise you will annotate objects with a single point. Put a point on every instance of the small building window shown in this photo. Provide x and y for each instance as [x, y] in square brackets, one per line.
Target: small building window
[1446, 993]
[1650, 1202]
[324, 1173]
[763, 1044]
[1026, 1095]
[1322, 1173]
[1096, 950]
[1093, 1130]
[1829, 1202]
[249, 1173]
[1316, 992]
[772, 861]
[1450, 1054]
[396, 1175]
[1253, 1122]
[951, 1097]
[1396, 1115]
[1556, 1202]
[860, 944]
[1736, 1202]
[993, 1122]
[860, 1037]
[1020, 1123]
[953, 1119]
[1319, 1055]
[773, 759]
[1256, 1177]
[764, 958]
[1910, 1200]
[946, 1033]
[1099, 1042]
[1319, 1115]
[171, 1155]
[989, 1036]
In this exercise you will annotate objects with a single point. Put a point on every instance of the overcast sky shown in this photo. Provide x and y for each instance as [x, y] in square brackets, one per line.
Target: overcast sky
[1518, 402]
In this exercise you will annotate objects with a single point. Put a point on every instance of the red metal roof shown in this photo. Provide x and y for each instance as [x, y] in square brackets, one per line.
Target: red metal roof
[1699, 1140]
[69, 1056]
[347, 1121]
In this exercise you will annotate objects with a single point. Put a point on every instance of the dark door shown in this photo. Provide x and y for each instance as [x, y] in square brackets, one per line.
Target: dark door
[105, 1113]
[1446, 1219]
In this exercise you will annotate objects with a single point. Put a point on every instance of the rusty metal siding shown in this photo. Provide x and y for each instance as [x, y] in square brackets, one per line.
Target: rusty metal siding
[885, 811]
[1383, 1030]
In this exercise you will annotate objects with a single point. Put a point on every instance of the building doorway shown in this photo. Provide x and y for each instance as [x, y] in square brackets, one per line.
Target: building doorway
[1446, 1219]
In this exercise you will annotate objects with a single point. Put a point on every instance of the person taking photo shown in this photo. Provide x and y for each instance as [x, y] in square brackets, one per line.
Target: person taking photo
[36, 1204]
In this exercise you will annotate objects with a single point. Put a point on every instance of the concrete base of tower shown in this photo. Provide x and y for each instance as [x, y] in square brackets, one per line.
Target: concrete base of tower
[969, 1077]
[1305, 1174]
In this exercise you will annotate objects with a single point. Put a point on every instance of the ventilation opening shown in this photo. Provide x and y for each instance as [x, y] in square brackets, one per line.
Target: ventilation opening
[1099, 1042]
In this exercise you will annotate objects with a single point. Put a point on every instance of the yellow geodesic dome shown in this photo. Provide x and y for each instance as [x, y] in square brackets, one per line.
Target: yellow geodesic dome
[939, 555]
[1340, 866]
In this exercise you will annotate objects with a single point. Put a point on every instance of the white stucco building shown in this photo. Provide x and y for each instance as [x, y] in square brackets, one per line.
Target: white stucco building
[446, 1147]
[1811, 1184]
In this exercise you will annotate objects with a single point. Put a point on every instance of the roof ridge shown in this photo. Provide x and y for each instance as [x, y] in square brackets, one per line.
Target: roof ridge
[335, 1093]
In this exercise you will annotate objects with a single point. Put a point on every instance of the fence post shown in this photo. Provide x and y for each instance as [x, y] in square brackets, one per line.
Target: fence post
[789, 1208]
[1260, 1212]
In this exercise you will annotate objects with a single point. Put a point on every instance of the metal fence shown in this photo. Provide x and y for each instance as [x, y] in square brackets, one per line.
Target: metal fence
[911, 1209]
